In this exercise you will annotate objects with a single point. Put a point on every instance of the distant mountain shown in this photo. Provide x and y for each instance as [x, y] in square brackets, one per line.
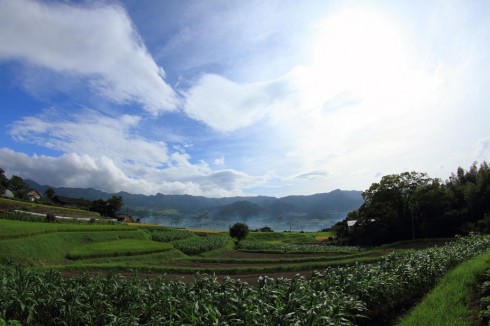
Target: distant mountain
[308, 213]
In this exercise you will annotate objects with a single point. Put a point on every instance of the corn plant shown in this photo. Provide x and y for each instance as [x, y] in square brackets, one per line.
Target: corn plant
[334, 296]
[304, 248]
[170, 235]
[199, 244]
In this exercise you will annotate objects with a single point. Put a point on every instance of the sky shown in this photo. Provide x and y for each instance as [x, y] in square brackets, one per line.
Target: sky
[233, 98]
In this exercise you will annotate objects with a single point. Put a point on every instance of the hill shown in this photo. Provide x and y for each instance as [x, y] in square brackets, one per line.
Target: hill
[308, 213]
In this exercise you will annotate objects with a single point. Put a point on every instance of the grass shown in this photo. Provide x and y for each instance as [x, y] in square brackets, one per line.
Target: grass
[92, 246]
[126, 247]
[16, 229]
[47, 249]
[6, 203]
[449, 302]
[289, 237]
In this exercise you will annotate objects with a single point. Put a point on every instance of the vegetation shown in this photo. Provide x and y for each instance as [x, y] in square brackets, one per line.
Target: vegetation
[303, 248]
[239, 231]
[449, 303]
[7, 204]
[338, 296]
[412, 205]
[483, 294]
[19, 229]
[108, 207]
[198, 244]
[170, 235]
[126, 247]
[346, 284]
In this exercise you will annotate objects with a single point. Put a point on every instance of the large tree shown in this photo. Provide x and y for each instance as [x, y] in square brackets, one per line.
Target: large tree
[239, 231]
[49, 193]
[4, 182]
[387, 214]
[18, 187]
[108, 207]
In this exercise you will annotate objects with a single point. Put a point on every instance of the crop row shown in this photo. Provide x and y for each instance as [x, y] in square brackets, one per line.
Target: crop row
[170, 235]
[199, 244]
[339, 296]
[484, 295]
[124, 247]
[264, 246]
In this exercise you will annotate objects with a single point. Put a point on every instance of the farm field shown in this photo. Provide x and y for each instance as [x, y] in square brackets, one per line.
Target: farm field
[7, 204]
[199, 277]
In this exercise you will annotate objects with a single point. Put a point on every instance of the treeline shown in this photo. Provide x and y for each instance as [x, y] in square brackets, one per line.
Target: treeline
[411, 205]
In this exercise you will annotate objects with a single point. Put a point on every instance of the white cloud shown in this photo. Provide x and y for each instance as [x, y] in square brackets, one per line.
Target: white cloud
[74, 170]
[91, 133]
[365, 102]
[97, 42]
[108, 154]
[219, 161]
[483, 149]
[226, 106]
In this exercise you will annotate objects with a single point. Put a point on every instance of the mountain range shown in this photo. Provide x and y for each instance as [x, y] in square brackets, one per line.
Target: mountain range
[297, 213]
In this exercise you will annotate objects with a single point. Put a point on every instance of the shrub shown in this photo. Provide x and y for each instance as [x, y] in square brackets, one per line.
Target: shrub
[50, 217]
[239, 231]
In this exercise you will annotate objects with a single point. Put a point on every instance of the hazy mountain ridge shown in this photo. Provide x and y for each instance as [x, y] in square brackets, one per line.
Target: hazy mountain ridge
[300, 212]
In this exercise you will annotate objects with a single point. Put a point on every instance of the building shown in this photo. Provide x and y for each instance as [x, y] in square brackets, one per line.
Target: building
[33, 195]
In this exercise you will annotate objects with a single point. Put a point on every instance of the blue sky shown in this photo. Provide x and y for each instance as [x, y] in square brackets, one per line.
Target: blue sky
[224, 98]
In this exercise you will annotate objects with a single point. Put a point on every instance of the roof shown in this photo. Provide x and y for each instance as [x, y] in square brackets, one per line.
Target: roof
[351, 223]
[70, 201]
[33, 192]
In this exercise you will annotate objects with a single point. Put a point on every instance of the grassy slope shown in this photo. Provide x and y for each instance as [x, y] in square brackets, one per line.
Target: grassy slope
[16, 229]
[289, 237]
[6, 204]
[52, 248]
[47, 245]
[448, 303]
[114, 248]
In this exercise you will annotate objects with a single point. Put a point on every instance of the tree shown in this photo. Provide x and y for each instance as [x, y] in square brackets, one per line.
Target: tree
[108, 207]
[17, 185]
[239, 231]
[49, 193]
[114, 205]
[386, 214]
[4, 182]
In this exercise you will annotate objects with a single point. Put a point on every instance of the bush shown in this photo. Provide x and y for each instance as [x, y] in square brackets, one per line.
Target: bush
[50, 217]
[239, 231]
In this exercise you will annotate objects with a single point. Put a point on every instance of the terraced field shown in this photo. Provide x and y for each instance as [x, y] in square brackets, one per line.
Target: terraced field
[269, 278]
[163, 250]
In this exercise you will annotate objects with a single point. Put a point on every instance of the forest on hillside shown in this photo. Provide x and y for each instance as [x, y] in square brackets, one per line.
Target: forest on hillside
[412, 205]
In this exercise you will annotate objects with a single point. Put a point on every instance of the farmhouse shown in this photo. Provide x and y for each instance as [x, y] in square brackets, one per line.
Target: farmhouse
[125, 218]
[33, 195]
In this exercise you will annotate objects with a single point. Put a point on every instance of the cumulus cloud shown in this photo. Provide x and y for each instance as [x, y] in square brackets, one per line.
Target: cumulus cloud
[107, 153]
[226, 106]
[91, 133]
[97, 42]
[75, 170]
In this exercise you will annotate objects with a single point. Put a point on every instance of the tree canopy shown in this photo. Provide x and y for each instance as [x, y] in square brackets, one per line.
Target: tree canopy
[239, 231]
[413, 205]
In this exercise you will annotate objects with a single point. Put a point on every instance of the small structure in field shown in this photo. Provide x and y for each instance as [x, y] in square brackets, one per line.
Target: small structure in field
[8, 194]
[125, 218]
[33, 195]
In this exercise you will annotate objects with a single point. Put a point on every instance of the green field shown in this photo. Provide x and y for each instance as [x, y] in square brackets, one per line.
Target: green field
[12, 204]
[342, 284]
